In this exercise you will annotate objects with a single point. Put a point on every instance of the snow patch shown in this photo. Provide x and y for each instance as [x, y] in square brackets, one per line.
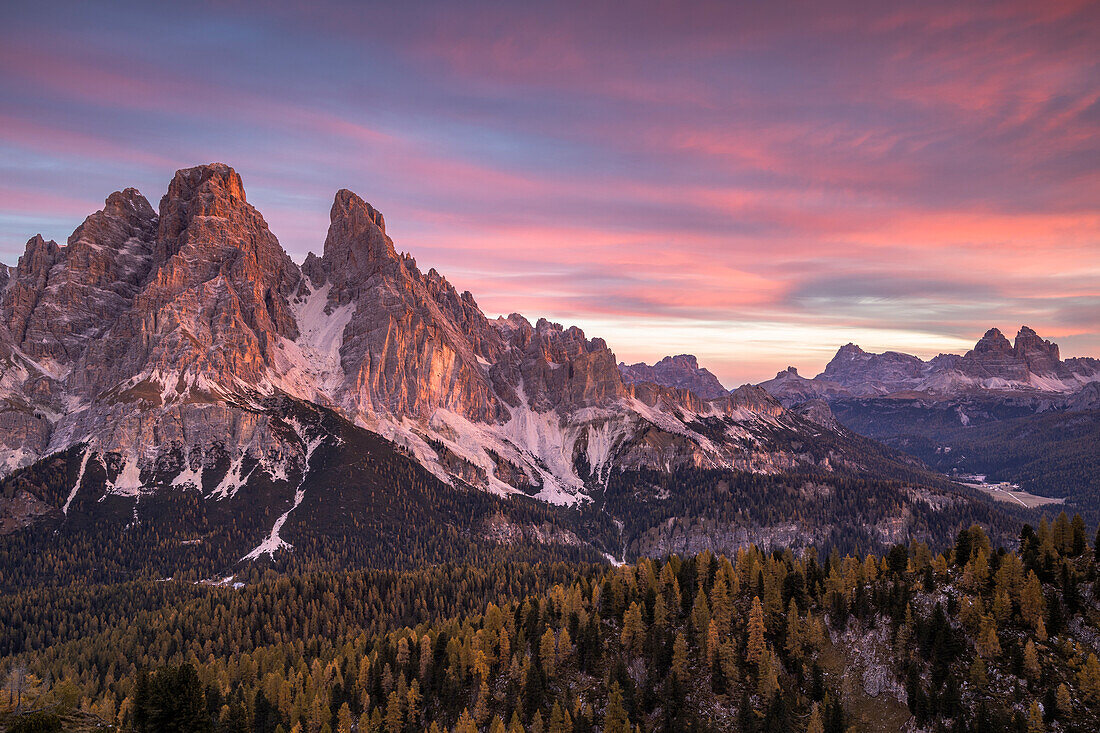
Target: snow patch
[79, 479]
[232, 482]
[311, 365]
[274, 542]
[128, 481]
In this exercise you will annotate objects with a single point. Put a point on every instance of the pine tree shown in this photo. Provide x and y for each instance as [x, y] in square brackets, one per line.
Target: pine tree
[402, 653]
[721, 609]
[1065, 703]
[565, 648]
[465, 723]
[344, 719]
[712, 642]
[1078, 543]
[794, 631]
[977, 674]
[412, 704]
[395, 721]
[1088, 679]
[557, 720]
[548, 653]
[1032, 605]
[768, 683]
[700, 617]
[989, 646]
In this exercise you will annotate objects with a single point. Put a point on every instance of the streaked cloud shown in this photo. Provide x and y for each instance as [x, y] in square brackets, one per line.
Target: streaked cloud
[754, 182]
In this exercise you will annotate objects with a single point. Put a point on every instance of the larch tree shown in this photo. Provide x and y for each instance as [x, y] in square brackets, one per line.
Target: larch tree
[1032, 605]
[548, 652]
[755, 647]
[815, 725]
[680, 657]
[633, 635]
[1035, 718]
[616, 720]
[1031, 661]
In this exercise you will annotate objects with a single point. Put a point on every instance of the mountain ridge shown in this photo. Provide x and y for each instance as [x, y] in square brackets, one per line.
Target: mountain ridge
[198, 318]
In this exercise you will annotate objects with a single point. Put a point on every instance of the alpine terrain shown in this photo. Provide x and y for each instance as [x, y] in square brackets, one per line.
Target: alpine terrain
[178, 357]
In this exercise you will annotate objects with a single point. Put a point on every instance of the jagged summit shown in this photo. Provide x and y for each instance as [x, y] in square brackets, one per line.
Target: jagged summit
[992, 342]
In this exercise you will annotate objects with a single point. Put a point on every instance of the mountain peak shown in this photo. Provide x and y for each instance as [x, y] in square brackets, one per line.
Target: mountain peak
[212, 178]
[1041, 355]
[992, 342]
[347, 202]
[688, 361]
[356, 236]
[127, 202]
[207, 205]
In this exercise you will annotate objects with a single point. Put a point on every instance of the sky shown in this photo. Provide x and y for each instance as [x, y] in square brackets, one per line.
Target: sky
[756, 183]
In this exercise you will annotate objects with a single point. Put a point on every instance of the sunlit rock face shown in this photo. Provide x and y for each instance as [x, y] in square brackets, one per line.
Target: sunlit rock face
[166, 343]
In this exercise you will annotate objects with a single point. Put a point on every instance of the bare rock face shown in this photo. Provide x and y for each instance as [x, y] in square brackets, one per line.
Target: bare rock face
[1040, 356]
[91, 280]
[680, 372]
[993, 358]
[791, 388]
[401, 352]
[216, 302]
[550, 367]
[818, 411]
[26, 285]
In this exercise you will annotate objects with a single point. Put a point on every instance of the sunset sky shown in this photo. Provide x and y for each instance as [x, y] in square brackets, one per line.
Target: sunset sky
[756, 183]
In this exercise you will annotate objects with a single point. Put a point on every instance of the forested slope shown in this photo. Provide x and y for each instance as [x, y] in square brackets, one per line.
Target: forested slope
[972, 639]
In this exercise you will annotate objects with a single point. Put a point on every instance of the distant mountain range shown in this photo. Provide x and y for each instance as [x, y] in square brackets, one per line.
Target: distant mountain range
[1030, 366]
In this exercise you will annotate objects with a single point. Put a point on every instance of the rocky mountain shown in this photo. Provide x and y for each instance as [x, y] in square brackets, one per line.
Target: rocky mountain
[1012, 412]
[678, 372]
[1030, 366]
[164, 349]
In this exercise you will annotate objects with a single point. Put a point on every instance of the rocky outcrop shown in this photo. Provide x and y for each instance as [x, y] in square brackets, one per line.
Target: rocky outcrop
[818, 411]
[678, 372]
